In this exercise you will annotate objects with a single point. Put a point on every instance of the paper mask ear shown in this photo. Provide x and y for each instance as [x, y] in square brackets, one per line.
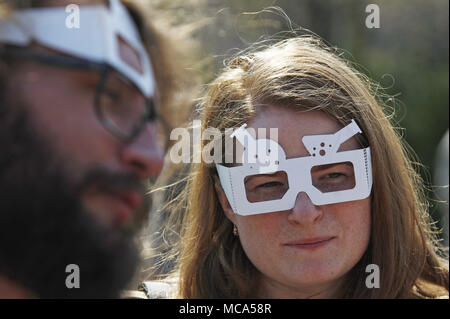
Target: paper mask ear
[98, 39]
[321, 145]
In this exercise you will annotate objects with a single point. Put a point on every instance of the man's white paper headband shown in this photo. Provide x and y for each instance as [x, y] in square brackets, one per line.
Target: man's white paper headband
[271, 185]
[98, 39]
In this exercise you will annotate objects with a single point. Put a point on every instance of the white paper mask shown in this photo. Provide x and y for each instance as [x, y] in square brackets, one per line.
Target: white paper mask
[102, 32]
[327, 176]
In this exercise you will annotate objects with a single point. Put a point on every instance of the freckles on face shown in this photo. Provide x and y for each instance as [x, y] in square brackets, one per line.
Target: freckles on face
[259, 235]
[275, 242]
[355, 220]
[263, 238]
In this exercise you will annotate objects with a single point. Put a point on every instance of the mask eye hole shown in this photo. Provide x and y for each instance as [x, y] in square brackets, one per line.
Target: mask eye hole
[333, 177]
[266, 187]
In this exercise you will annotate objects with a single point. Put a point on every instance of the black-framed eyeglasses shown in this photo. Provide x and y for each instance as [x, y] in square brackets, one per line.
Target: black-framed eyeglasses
[118, 103]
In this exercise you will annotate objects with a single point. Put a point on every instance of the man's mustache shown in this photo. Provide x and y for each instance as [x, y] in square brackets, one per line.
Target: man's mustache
[105, 180]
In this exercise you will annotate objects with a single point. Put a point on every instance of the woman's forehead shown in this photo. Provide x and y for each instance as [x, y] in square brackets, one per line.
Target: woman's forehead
[292, 125]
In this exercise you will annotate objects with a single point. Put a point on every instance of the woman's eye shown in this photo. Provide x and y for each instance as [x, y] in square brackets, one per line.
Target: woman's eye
[270, 184]
[334, 175]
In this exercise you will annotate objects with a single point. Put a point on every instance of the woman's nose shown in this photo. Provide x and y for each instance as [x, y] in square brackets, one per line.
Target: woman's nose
[304, 211]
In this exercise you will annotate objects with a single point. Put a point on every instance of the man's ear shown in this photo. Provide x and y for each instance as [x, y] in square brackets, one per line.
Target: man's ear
[224, 203]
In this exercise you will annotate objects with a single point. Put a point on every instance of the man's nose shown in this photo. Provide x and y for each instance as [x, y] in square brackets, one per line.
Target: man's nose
[144, 155]
[304, 211]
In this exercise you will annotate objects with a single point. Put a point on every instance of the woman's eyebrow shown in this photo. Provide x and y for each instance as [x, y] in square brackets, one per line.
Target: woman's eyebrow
[327, 166]
[276, 174]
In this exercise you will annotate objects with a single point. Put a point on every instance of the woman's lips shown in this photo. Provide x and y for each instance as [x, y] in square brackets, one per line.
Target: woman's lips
[310, 243]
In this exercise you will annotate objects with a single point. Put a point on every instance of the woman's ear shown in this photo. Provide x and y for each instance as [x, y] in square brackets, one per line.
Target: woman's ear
[224, 203]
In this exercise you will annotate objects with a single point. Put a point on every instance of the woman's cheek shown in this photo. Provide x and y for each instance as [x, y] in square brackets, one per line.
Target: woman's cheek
[258, 234]
[355, 220]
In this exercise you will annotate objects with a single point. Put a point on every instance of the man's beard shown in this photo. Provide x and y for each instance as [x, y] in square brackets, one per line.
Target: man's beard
[44, 227]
